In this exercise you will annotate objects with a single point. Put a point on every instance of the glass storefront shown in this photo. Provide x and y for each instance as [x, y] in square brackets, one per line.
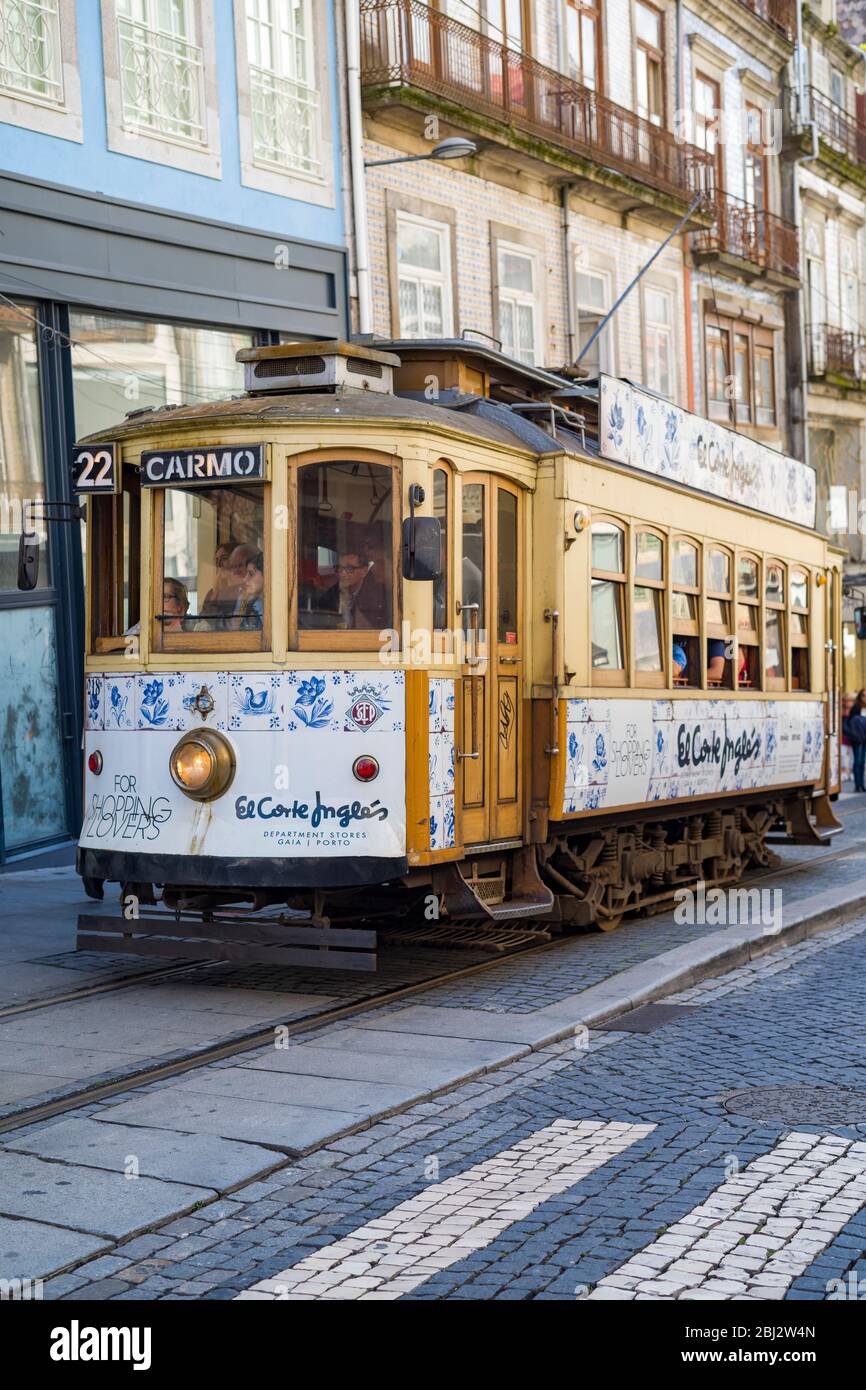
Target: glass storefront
[32, 796]
[34, 802]
[119, 365]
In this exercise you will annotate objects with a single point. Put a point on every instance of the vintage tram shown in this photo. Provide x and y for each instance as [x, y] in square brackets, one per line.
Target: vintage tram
[416, 624]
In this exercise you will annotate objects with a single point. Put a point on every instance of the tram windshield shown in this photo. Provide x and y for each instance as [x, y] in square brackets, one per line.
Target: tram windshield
[345, 548]
[213, 560]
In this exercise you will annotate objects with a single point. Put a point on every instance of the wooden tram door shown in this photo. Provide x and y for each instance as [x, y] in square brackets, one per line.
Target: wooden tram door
[491, 731]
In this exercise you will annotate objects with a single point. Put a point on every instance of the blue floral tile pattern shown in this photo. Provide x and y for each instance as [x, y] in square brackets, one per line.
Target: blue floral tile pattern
[158, 701]
[255, 700]
[93, 708]
[441, 762]
[119, 695]
[442, 828]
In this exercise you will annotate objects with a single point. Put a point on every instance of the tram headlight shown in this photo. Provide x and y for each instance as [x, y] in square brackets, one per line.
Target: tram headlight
[202, 764]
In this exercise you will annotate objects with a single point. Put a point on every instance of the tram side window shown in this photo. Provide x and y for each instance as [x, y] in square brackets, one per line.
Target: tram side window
[648, 605]
[114, 559]
[345, 547]
[608, 591]
[685, 618]
[718, 611]
[774, 626]
[213, 581]
[798, 620]
[748, 624]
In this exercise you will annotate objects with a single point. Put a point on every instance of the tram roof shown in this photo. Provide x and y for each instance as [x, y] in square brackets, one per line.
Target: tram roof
[468, 415]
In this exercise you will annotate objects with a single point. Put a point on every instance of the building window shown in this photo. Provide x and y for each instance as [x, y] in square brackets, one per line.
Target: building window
[649, 33]
[756, 168]
[659, 341]
[741, 372]
[608, 591]
[708, 106]
[647, 608]
[284, 100]
[517, 302]
[423, 278]
[584, 48]
[849, 284]
[837, 88]
[774, 625]
[748, 623]
[685, 615]
[798, 620]
[593, 294]
[161, 69]
[30, 51]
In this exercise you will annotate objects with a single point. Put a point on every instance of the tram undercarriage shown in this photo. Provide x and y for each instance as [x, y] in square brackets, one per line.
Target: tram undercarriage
[581, 876]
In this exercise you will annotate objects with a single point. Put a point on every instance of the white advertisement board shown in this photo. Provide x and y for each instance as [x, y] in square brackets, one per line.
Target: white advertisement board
[625, 752]
[295, 736]
[652, 434]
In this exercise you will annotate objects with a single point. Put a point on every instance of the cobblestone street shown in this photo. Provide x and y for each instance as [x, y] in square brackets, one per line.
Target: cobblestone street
[612, 1164]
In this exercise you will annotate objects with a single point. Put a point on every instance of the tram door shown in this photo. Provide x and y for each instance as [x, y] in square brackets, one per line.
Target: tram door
[491, 708]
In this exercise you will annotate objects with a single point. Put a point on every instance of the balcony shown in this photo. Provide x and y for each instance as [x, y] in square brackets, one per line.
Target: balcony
[836, 353]
[418, 58]
[840, 134]
[161, 82]
[781, 14]
[750, 238]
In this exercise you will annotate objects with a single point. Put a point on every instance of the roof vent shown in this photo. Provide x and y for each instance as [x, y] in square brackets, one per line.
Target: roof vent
[332, 366]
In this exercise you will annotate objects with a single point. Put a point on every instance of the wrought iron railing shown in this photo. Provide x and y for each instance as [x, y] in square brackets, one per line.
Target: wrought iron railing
[836, 352]
[781, 14]
[752, 234]
[161, 81]
[840, 130]
[405, 43]
[30, 56]
[285, 121]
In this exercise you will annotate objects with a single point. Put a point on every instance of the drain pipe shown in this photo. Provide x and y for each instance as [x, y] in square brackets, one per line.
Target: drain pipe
[356, 159]
[570, 320]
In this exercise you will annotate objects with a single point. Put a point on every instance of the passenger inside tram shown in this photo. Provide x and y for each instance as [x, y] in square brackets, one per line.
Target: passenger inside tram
[251, 601]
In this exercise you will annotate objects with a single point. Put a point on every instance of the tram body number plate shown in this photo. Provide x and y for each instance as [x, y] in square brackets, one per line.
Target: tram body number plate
[213, 463]
[95, 468]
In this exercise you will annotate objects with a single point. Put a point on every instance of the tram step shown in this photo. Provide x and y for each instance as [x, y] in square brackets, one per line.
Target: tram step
[238, 939]
[464, 897]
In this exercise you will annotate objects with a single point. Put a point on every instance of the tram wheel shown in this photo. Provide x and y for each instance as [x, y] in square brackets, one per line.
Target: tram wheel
[94, 888]
[609, 922]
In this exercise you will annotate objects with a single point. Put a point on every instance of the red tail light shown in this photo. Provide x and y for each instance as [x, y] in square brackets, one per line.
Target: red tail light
[94, 762]
[365, 768]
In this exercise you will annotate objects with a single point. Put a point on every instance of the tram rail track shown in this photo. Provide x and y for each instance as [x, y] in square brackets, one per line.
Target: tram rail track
[249, 1041]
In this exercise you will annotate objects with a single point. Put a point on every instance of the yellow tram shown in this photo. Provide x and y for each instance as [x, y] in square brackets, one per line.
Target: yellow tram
[417, 627]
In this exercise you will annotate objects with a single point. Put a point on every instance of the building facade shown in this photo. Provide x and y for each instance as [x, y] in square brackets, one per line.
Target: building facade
[825, 148]
[170, 191]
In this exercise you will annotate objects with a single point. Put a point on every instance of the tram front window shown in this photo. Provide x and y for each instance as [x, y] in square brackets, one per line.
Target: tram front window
[213, 578]
[345, 547]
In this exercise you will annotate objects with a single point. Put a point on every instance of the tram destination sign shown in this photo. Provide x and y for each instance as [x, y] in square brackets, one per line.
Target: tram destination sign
[95, 468]
[203, 467]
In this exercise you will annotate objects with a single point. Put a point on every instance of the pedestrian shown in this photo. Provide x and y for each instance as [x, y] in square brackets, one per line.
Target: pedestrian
[854, 733]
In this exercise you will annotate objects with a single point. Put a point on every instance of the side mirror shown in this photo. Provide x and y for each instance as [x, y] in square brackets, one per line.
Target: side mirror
[422, 547]
[28, 560]
[860, 623]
